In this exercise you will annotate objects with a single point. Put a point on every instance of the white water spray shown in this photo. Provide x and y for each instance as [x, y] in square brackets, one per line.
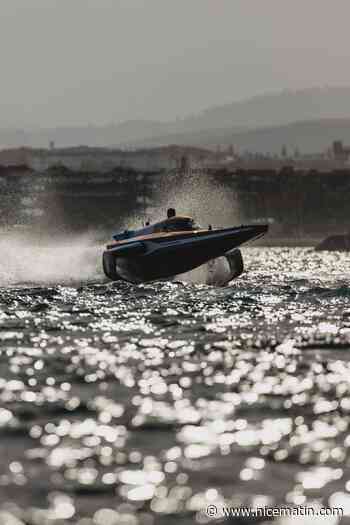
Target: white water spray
[29, 259]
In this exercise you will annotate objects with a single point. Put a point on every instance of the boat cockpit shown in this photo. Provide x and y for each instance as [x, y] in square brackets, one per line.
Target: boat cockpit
[172, 224]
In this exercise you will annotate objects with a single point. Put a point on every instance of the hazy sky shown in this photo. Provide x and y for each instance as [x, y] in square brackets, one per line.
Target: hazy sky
[74, 62]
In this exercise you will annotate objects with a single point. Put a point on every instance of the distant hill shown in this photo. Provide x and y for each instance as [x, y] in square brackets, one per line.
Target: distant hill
[93, 136]
[308, 137]
[237, 118]
[274, 109]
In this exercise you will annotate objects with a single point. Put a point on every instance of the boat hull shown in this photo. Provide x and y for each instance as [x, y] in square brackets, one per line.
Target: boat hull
[164, 257]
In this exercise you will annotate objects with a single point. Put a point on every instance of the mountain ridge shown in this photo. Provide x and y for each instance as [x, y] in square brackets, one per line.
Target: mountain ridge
[268, 110]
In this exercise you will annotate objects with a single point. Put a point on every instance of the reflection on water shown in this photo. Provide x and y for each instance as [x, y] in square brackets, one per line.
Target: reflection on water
[145, 404]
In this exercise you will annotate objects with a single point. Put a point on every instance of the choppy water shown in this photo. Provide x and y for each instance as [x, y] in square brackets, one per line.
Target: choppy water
[144, 404]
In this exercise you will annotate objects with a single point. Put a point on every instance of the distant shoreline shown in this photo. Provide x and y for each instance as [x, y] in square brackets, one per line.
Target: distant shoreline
[301, 207]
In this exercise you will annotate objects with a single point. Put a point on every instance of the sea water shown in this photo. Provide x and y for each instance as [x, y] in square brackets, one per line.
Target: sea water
[146, 404]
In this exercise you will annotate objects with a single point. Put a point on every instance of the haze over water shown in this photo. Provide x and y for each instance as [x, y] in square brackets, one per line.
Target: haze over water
[145, 404]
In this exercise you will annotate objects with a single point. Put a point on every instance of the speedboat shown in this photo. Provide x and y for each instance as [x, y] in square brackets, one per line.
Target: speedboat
[174, 246]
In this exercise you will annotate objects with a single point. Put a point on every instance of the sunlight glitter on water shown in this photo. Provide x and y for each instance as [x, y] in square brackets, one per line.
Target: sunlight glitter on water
[156, 399]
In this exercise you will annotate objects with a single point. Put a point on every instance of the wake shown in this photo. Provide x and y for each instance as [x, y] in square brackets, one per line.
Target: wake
[41, 261]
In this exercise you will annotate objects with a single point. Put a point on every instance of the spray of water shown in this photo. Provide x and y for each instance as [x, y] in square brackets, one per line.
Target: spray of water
[36, 260]
[215, 273]
[197, 195]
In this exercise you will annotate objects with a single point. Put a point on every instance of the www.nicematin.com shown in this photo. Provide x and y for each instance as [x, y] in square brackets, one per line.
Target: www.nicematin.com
[214, 511]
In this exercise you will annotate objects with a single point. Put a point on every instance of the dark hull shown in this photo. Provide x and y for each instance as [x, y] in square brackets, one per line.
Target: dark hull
[163, 258]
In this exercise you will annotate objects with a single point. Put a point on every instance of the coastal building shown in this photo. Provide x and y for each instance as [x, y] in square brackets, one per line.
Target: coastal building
[340, 152]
